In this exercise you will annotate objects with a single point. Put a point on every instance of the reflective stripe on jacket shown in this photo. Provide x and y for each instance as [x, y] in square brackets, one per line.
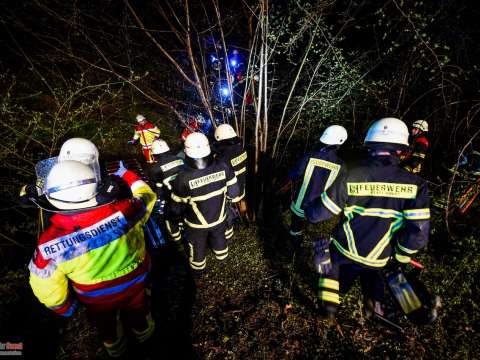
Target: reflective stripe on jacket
[317, 171]
[383, 206]
[201, 194]
[101, 251]
[416, 156]
[231, 152]
[146, 133]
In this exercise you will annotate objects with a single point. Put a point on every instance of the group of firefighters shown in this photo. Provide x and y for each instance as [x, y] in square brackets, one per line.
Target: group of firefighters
[94, 251]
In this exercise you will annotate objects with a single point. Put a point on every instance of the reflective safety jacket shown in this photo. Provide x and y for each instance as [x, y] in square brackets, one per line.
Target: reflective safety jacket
[99, 252]
[414, 159]
[146, 133]
[383, 207]
[231, 152]
[165, 170]
[317, 170]
[201, 194]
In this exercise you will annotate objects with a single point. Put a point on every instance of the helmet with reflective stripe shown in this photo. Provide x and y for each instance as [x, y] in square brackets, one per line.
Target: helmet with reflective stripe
[159, 147]
[421, 125]
[71, 185]
[197, 146]
[83, 150]
[140, 118]
[334, 135]
[387, 133]
[224, 132]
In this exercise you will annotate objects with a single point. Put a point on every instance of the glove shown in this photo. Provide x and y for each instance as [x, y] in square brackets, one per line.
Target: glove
[121, 169]
[321, 260]
[402, 259]
[131, 142]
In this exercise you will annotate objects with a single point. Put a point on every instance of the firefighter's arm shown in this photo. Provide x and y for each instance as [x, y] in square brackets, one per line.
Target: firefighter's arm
[156, 131]
[417, 156]
[417, 226]
[233, 190]
[140, 191]
[297, 172]
[179, 198]
[50, 286]
[329, 204]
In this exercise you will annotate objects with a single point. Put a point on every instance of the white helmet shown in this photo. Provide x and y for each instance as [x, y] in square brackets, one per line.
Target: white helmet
[71, 185]
[197, 146]
[224, 132]
[387, 131]
[421, 125]
[159, 146]
[83, 150]
[140, 118]
[334, 135]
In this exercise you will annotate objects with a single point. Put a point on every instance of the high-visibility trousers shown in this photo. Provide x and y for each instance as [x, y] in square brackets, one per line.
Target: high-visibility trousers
[198, 239]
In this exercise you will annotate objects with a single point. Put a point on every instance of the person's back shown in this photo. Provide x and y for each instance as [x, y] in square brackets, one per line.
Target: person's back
[200, 194]
[95, 245]
[377, 197]
[205, 190]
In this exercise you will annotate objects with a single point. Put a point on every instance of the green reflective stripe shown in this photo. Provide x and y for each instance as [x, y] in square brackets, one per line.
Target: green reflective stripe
[408, 300]
[159, 185]
[232, 181]
[378, 212]
[348, 232]
[241, 171]
[329, 296]
[360, 259]
[420, 155]
[297, 211]
[385, 241]
[382, 189]
[209, 195]
[171, 165]
[296, 233]
[312, 164]
[177, 198]
[329, 284]
[206, 226]
[239, 159]
[238, 198]
[199, 215]
[417, 214]
[197, 265]
[406, 250]
[329, 204]
[168, 180]
[221, 252]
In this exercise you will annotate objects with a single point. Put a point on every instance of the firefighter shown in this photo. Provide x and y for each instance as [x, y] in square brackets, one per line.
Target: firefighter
[146, 132]
[385, 212]
[94, 252]
[317, 171]
[201, 192]
[413, 159]
[228, 147]
[162, 173]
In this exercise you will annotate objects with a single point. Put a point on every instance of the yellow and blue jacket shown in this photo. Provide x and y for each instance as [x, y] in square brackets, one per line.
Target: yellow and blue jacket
[98, 253]
[384, 207]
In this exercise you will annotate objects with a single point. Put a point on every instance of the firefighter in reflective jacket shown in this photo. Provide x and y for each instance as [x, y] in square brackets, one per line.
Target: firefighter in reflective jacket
[146, 132]
[229, 149]
[413, 159]
[200, 192]
[94, 252]
[385, 212]
[317, 171]
[162, 174]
